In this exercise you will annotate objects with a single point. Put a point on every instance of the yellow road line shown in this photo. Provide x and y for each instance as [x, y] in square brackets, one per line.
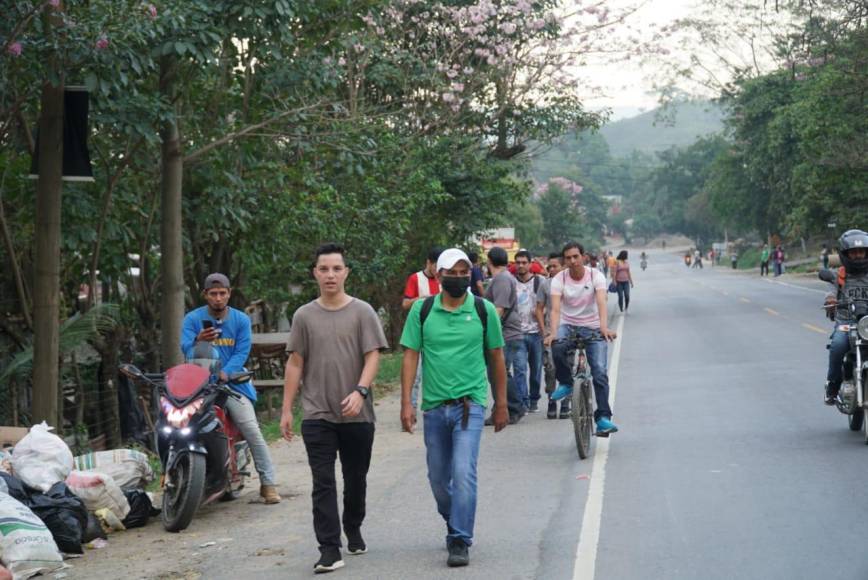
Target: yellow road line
[745, 300]
[814, 328]
[772, 312]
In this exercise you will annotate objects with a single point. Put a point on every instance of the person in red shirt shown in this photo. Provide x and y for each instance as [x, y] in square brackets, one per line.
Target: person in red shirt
[421, 285]
[536, 268]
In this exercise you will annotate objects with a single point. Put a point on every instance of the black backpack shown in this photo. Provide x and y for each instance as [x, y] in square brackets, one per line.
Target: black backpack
[478, 302]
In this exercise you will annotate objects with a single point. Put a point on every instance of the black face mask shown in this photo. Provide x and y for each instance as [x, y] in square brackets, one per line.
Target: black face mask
[455, 286]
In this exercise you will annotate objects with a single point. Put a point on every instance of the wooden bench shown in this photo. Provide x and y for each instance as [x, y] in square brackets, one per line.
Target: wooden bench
[267, 361]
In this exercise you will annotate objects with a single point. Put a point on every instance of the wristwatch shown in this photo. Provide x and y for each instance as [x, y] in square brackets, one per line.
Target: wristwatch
[363, 391]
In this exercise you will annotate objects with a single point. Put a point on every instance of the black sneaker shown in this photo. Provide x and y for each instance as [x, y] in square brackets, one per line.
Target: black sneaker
[552, 411]
[534, 407]
[329, 561]
[566, 411]
[831, 394]
[459, 554]
[355, 542]
[489, 421]
[513, 419]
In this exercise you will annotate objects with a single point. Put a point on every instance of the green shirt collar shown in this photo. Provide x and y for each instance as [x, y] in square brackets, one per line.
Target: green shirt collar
[467, 306]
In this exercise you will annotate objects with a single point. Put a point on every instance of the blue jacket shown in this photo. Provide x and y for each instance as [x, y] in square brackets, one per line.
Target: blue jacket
[233, 346]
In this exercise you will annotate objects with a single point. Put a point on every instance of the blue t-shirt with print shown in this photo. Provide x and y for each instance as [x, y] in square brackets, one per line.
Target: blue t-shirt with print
[233, 345]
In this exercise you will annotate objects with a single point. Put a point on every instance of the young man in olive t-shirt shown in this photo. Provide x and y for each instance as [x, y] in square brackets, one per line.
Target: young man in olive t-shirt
[453, 341]
[335, 345]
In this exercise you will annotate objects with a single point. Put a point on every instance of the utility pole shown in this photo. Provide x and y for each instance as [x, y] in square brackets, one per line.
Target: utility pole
[46, 283]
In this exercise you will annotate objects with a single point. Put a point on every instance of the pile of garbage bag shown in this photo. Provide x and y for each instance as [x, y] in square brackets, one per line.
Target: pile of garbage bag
[52, 503]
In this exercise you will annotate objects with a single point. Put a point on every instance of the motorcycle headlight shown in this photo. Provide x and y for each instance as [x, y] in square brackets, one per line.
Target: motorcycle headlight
[180, 418]
[862, 328]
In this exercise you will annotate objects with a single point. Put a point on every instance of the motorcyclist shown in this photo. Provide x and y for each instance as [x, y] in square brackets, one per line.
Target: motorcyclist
[852, 285]
[228, 331]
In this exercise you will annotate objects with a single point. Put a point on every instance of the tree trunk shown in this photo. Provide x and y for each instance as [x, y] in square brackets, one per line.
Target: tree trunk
[109, 353]
[171, 252]
[396, 322]
[46, 283]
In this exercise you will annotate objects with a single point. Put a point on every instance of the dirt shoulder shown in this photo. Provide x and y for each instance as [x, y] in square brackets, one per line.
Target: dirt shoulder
[241, 535]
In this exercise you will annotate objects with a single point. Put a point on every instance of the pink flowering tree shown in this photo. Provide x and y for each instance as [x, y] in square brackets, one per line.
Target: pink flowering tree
[500, 70]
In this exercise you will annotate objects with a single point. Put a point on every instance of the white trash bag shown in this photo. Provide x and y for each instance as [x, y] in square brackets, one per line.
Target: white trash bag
[26, 545]
[129, 468]
[98, 491]
[41, 458]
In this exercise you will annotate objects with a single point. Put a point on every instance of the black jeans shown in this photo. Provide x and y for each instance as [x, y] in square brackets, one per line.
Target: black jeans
[323, 441]
[764, 268]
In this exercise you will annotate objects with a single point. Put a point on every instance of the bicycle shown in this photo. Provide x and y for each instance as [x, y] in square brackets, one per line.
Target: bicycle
[583, 402]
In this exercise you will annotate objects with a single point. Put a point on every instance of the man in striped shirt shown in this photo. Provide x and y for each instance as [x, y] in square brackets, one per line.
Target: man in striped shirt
[578, 310]
[420, 285]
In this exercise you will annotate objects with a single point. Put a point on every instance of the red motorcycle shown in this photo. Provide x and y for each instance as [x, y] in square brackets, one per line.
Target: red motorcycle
[204, 455]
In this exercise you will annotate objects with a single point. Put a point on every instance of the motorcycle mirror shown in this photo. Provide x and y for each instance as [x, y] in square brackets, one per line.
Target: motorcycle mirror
[828, 276]
[131, 371]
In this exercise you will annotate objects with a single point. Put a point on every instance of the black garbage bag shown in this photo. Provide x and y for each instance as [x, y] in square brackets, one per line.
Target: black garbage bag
[93, 530]
[16, 487]
[141, 508]
[64, 515]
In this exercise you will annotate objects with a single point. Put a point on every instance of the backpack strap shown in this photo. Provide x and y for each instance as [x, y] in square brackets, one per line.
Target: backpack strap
[427, 305]
[482, 313]
[536, 283]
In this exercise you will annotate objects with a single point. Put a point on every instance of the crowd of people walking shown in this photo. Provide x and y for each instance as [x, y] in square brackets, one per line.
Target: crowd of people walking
[506, 328]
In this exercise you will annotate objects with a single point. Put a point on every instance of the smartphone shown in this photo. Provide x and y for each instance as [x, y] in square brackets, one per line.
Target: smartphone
[206, 324]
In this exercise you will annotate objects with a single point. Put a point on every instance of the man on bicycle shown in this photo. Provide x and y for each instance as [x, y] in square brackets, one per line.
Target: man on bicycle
[578, 311]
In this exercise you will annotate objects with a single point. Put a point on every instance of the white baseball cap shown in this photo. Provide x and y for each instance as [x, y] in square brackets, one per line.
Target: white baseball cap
[450, 257]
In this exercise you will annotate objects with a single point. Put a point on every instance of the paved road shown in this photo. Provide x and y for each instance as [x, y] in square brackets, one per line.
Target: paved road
[728, 465]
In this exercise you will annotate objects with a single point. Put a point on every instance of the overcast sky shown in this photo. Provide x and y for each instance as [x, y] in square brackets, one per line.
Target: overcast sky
[628, 89]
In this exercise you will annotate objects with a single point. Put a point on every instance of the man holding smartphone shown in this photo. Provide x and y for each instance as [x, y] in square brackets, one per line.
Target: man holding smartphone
[228, 331]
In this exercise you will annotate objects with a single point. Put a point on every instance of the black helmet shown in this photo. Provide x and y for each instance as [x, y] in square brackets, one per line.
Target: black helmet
[852, 239]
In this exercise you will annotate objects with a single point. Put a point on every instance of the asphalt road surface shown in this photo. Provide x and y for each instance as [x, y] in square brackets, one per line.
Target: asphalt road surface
[727, 466]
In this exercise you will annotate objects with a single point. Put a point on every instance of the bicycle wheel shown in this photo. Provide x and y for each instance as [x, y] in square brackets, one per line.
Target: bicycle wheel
[582, 418]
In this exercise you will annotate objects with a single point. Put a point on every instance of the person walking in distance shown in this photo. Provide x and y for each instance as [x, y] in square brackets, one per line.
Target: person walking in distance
[228, 331]
[419, 286]
[454, 332]
[543, 307]
[778, 260]
[529, 356]
[334, 348]
[503, 293]
[624, 279]
[477, 280]
[579, 310]
[764, 260]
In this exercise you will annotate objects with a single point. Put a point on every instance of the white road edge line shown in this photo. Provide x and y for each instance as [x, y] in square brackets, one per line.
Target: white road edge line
[584, 567]
[796, 286]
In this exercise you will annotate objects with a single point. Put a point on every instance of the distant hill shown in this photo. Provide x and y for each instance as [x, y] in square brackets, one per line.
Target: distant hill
[648, 134]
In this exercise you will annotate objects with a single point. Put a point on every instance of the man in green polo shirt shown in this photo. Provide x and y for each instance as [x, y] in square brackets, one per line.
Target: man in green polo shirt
[454, 330]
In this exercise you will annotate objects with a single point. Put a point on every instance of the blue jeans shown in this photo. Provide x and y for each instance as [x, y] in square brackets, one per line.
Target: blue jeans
[597, 350]
[452, 454]
[417, 384]
[521, 354]
[515, 385]
[623, 295]
[839, 345]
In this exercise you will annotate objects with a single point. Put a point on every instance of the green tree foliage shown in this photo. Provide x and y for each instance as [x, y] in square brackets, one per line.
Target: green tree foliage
[297, 123]
[570, 212]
